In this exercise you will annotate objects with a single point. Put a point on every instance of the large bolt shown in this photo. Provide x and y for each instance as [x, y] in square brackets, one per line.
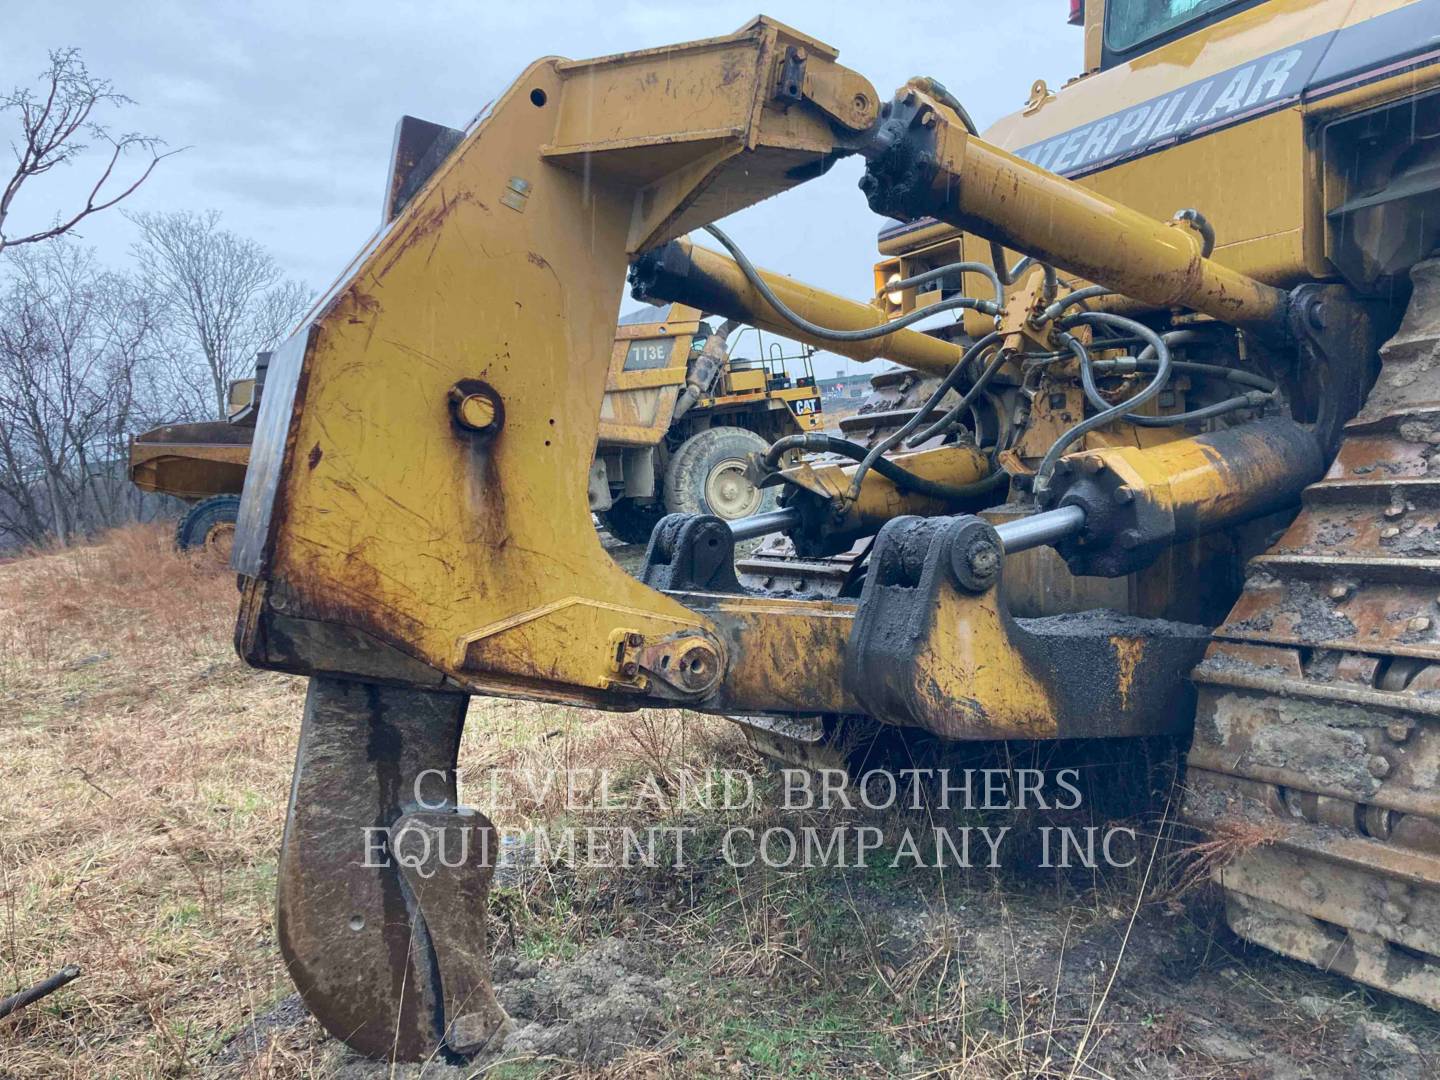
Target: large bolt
[975, 556]
[1419, 624]
[1339, 591]
[1389, 533]
[984, 560]
[1394, 510]
[1379, 767]
[696, 666]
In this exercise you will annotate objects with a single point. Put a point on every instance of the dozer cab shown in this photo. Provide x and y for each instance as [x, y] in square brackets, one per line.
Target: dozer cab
[1198, 342]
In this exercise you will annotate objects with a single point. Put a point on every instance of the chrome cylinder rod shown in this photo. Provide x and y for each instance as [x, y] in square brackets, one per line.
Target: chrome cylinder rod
[1022, 534]
[760, 524]
[1025, 533]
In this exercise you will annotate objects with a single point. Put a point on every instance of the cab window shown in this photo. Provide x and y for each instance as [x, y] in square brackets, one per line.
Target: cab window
[1129, 23]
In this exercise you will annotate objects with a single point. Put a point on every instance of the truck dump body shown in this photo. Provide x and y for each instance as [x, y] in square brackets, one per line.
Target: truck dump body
[191, 461]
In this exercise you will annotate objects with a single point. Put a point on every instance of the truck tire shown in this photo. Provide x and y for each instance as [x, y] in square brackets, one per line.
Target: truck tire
[630, 521]
[707, 475]
[209, 525]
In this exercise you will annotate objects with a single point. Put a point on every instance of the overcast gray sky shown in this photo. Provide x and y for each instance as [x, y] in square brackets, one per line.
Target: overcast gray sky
[289, 108]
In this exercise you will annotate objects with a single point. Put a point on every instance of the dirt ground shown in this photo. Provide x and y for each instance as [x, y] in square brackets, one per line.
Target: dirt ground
[143, 787]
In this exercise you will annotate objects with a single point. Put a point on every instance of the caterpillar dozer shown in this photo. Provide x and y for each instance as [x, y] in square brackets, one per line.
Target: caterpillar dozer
[1198, 342]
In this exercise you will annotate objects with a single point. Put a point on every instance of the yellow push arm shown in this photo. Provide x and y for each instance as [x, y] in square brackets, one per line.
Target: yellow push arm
[684, 273]
[923, 162]
[389, 534]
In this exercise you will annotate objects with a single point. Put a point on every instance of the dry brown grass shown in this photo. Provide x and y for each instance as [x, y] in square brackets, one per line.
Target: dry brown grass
[143, 789]
[1195, 863]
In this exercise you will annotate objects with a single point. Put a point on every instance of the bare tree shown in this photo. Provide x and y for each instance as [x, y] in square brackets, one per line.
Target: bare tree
[225, 294]
[55, 124]
[75, 341]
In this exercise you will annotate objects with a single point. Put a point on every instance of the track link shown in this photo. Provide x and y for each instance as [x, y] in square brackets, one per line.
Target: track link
[1317, 738]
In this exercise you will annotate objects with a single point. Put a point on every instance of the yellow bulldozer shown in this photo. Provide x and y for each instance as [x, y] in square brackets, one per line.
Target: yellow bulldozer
[1198, 341]
[685, 406]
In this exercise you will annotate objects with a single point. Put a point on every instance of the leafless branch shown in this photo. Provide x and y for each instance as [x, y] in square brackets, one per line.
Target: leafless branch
[54, 128]
[225, 295]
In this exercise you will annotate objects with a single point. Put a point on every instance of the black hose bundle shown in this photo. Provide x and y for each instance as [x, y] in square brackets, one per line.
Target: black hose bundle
[1041, 483]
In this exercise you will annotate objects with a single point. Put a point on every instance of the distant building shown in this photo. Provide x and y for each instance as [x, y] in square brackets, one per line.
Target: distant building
[844, 387]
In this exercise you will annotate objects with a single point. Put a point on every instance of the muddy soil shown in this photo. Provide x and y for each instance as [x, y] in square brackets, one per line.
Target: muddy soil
[1170, 993]
[589, 1010]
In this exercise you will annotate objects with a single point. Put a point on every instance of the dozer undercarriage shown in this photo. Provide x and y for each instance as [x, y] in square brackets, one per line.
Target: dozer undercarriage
[415, 526]
[1316, 746]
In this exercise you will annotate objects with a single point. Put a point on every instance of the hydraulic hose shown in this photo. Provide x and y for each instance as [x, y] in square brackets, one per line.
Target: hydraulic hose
[936, 89]
[997, 256]
[1254, 398]
[757, 282]
[892, 440]
[1202, 226]
[1077, 297]
[1262, 392]
[1124, 366]
[1041, 482]
[964, 403]
[953, 268]
[1009, 277]
[704, 368]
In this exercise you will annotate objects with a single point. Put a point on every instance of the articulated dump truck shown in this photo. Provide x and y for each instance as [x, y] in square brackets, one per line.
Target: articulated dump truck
[1198, 341]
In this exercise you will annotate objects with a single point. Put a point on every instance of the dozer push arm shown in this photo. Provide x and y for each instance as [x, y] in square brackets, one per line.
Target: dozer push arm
[924, 163]
[682, 272]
